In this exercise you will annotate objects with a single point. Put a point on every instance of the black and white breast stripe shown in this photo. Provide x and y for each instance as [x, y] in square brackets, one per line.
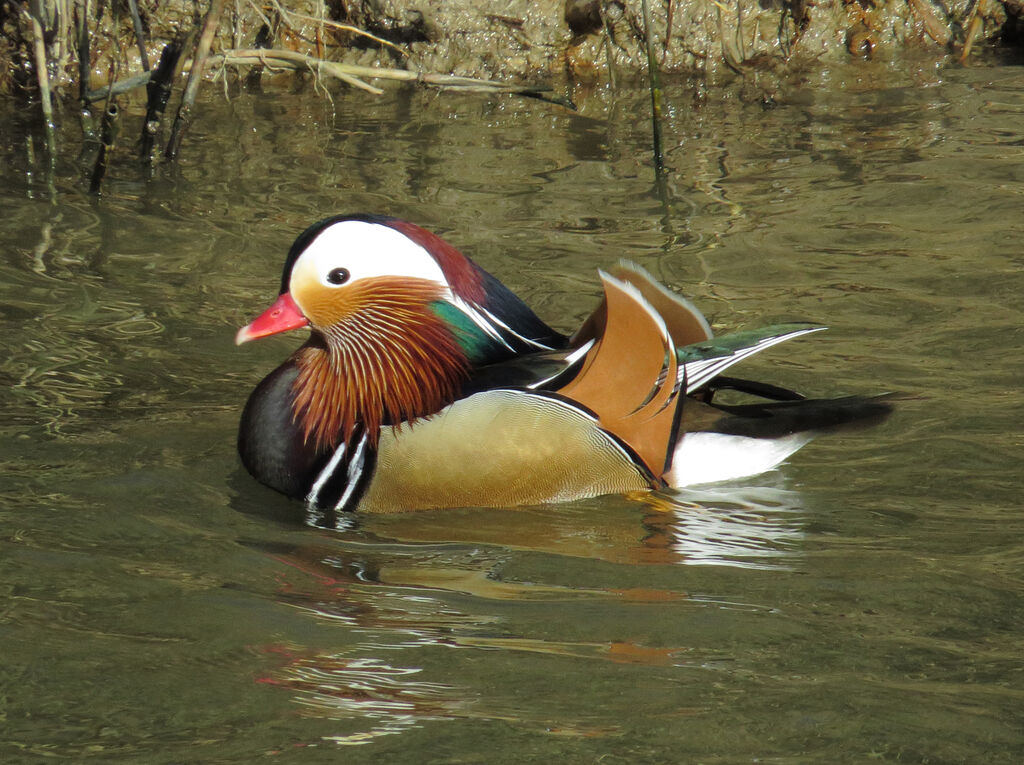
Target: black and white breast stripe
[340, 484]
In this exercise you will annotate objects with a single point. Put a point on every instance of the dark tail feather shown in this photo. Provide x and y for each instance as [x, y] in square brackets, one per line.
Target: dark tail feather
[786, 417]
[754, 388]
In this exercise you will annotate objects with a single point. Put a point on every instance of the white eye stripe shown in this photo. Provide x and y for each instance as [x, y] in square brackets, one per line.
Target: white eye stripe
[365, 250]
[352, 250]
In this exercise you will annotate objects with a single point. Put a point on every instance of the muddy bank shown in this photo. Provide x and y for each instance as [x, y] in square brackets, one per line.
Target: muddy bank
[557, 41]
[591, 39]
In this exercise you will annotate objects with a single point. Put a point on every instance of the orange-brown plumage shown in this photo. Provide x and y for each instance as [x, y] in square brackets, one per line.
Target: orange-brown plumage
[629, 378]
[386, 358]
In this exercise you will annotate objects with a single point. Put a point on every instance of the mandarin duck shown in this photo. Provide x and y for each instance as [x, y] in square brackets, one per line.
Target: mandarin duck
[426, 383]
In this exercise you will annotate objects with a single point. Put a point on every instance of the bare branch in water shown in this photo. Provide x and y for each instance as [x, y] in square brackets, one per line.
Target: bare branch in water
[354, 74]
[84, 70]
[184, 117]
[42, 69]
[158, 89]
[108, 133]
[119, 88]
[350, 73]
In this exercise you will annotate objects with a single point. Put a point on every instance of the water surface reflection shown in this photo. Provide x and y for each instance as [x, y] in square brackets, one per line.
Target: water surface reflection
[418, 582]
[865, 602]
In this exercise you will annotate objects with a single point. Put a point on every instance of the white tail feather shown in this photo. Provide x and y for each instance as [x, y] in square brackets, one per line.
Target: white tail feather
[704, 457]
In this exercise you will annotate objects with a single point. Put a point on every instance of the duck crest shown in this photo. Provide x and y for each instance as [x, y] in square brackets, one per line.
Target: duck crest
[389, 361]
[466, 281]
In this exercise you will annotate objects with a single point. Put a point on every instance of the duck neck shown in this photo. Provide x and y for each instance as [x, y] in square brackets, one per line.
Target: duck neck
[375, 375]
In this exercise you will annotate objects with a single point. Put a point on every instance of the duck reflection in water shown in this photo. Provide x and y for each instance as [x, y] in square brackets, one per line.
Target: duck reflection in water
[400, 585]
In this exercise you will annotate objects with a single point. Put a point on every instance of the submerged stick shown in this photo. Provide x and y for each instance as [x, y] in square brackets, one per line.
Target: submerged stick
[158, 90]
[108, 133]
[184, 116]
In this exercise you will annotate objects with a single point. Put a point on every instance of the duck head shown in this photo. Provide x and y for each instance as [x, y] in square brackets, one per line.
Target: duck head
[398, 318]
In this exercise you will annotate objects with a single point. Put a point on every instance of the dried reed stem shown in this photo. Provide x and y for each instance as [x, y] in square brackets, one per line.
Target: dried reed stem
[346, 28]
[42, 68]
[655, 86]
[352, 73]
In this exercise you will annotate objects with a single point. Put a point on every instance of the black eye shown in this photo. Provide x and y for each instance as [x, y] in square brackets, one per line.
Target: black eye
[338, 275]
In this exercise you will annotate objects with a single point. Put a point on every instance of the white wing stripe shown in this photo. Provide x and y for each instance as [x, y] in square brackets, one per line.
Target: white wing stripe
[512, 332]
[571, 359]
[699, 373]
[492, 326]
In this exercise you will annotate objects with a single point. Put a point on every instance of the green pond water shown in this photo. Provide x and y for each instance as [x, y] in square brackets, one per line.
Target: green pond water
[863, 603]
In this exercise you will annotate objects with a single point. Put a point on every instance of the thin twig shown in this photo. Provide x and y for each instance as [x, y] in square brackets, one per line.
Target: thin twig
[43, 77]
[259, 12]
[140, 34]
[668, 26]
[608, 50]
[730, 54]
[739, 30]
[182, 120]
[349, 28]
[973, 26]
[84, 70]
